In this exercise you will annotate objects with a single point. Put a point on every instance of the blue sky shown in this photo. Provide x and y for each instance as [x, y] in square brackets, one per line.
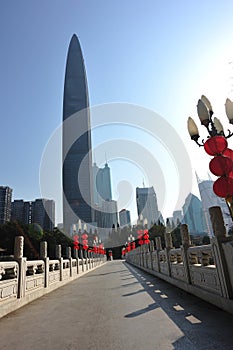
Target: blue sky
[160, 55]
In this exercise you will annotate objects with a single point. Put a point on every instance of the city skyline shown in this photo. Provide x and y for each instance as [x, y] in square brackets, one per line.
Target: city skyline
[183, 54]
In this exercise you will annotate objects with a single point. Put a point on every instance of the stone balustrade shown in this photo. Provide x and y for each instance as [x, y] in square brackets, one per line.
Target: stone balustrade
[22, 281]
[205, 271]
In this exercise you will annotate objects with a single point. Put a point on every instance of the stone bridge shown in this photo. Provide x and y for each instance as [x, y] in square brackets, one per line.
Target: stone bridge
[155, 299]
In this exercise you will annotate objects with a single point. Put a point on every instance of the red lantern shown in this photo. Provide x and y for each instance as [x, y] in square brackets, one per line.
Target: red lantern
[215, 145]
[223, 187]
[221, 165]
[85, 247]
[84, 236]
[228, 153]
[141, 241]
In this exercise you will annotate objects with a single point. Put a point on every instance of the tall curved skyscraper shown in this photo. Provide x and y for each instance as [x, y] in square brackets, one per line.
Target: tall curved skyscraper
[77, 158]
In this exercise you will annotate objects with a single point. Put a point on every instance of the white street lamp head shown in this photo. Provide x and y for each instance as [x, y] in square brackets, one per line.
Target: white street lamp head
[192, 128]
[229, 110]
[203, 113]
[207, 103]
[218, 125]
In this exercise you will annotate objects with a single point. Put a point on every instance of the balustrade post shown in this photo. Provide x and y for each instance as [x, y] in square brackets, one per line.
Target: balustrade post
[44, 257]
[59, 257]
[68, 255]
[77, 259]
[219, 243]
[169, 246]
[81, 255]
[158, 245]
[186, 243]
[18, 256]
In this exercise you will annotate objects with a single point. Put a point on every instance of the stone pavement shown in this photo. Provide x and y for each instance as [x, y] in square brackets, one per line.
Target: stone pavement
[117, 307]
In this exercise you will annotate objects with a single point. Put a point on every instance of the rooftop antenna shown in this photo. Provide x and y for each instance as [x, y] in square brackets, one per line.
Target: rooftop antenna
[106, 158]
[143, 183]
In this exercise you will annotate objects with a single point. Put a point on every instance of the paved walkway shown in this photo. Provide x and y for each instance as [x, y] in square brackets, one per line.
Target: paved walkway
[117, 307]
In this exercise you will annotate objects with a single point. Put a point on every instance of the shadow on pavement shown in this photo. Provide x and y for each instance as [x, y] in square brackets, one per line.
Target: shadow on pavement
[205, 327]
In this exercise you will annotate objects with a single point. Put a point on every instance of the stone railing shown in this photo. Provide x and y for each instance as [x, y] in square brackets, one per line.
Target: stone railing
[205, 271]
[22, 281]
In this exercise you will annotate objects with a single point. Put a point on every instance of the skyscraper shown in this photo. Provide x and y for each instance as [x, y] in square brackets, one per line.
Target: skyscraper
[5, 204]
[209, 199]
[102, 184]
[147, 204]
[77, 158]
[124, 216]
[43, 213]
[193, 214]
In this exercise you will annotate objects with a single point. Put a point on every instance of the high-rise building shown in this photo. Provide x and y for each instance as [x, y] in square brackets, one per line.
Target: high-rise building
[41, 211]
[177, 217]
[5, 204]
[193, 215]
[102, 189]
[77, 157]
[21, 211]
[147, 204]
[109, 214]
[124, 216]
[209, 199]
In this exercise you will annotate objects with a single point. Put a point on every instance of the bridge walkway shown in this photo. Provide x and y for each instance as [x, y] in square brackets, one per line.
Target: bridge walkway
[117, 307]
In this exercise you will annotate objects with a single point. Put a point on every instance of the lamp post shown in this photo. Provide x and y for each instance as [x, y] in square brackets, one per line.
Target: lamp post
[216, 145]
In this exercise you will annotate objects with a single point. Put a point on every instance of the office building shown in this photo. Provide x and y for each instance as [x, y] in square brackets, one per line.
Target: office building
[77, 158]
[193, 215]
[41, 211]
[209, 199]
[147, 206]
[124, 216]
[5, 204]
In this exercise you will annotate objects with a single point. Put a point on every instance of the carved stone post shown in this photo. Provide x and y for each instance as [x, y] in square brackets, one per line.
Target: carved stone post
[81, 256]
[169, 246]
[68, 255]
[59, 257]
[218, 242]
[152, 249]
[186, 243]
[18, 256]
[158, 245]
[43, 256]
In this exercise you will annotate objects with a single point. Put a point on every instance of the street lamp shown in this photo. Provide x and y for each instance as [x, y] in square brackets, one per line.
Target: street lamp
[213, 126]
[216, 145]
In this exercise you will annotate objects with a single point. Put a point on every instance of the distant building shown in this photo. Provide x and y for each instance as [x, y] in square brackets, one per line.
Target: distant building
[177, 217]
[21, 211]
[147, 204]
[5, 204]
[101, 184]
[193, 215]
[209, 199]
[41, 211]
[109, 214]
[124, 216]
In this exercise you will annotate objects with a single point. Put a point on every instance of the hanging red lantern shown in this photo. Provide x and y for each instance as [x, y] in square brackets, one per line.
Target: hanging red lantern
[221, 165]
[141, 241]
[85, 247]
[223, 187]
[84, 236]
[215, 145]
[228, 153]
